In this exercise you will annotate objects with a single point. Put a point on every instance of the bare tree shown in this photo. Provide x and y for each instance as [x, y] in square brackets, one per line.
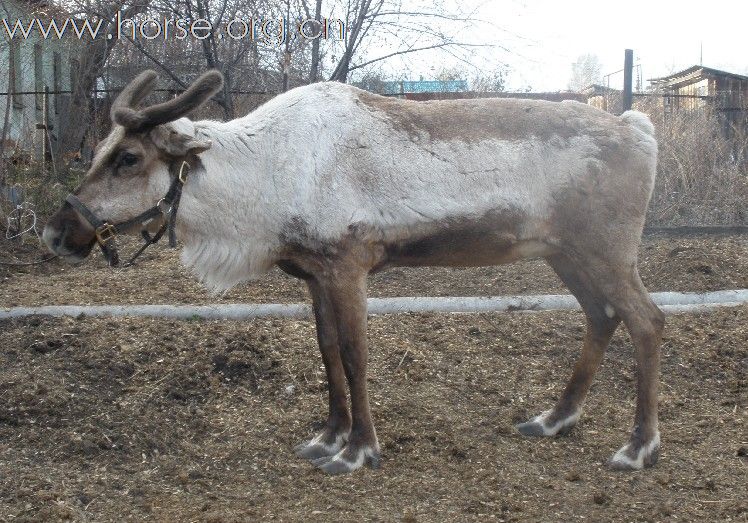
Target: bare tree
[91, 61]
[586, 71]
[315, 58]
[252, 56]
[375, 31]
[379, 30]
[210, 50]
[5, 49]
[492, 81]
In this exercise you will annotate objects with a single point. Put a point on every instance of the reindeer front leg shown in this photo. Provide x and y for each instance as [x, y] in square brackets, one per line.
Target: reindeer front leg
[333, 437]
[346, 291]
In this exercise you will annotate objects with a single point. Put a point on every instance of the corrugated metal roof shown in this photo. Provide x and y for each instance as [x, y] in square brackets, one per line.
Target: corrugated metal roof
[696, 71]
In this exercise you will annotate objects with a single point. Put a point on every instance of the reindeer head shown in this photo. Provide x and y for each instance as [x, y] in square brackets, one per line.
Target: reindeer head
[130, 168]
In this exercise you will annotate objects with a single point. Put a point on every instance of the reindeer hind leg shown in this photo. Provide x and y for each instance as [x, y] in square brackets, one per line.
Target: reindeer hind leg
[600, 328]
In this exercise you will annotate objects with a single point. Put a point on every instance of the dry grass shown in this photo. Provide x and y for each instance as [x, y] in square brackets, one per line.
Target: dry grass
[44, 191]
[702, 176]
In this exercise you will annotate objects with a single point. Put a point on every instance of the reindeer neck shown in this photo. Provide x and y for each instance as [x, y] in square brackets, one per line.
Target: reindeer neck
[224, 220]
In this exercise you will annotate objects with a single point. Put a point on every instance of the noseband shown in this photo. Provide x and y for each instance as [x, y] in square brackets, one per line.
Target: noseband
[166, 207]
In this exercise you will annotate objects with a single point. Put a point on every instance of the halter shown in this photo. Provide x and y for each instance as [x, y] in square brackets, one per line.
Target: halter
[166, 207]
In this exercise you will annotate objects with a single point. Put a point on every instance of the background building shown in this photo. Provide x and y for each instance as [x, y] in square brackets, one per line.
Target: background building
[31, 66]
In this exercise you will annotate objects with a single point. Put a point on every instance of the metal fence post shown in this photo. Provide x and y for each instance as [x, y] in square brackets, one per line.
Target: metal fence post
[628, 75]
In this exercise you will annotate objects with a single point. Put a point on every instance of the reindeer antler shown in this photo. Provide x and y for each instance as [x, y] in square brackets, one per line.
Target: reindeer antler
[135, 91]
[196, 94]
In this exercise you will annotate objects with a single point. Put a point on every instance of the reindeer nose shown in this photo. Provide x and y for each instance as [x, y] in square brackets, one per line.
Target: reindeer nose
[57, 241]
[54, 235]
[52, 238]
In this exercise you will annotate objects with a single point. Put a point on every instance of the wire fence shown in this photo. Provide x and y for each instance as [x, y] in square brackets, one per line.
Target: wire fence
[702, 172]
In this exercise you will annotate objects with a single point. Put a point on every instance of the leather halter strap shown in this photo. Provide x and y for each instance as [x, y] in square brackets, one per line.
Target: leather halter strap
[166, 207]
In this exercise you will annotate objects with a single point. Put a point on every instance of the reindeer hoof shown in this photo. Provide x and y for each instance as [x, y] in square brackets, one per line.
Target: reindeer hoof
[540, 426]
[312, 451]
[323, 445]
[531, 428]
[636, 455]
[352, 457]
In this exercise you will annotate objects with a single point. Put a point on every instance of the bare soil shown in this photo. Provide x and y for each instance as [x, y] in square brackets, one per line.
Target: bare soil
[146, 419]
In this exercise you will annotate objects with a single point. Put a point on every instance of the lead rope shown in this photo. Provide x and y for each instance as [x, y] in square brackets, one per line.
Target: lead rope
[149, 240]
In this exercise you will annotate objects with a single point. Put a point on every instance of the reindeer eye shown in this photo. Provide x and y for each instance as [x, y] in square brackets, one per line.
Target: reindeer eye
[127, 160]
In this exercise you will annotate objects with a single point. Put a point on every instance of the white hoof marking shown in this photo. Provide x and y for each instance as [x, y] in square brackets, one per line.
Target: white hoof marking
[330, 448]
[554, 429]
[621, 457]
[366, 452]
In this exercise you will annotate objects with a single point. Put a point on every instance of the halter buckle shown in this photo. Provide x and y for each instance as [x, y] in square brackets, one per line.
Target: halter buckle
[105, 233]
[182, 173]
[160, 206]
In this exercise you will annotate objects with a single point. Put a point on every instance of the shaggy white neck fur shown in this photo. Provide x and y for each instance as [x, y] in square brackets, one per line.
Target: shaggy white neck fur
[225, 238]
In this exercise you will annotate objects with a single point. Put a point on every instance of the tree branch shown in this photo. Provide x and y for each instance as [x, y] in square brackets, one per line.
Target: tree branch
[414, 50]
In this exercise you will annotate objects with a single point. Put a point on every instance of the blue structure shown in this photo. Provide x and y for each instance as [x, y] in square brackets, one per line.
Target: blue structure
[415, 86]
[424, 86]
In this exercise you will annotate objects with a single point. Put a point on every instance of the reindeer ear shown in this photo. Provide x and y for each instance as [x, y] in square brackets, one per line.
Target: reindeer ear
[174, 143]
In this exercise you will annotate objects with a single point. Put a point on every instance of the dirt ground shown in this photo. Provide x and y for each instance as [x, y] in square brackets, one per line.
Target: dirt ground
[145, 419]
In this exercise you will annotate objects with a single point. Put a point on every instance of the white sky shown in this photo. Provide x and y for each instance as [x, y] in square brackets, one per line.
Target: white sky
[545, 37]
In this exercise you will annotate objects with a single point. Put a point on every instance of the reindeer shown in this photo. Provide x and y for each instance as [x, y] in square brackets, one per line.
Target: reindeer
[331, 183]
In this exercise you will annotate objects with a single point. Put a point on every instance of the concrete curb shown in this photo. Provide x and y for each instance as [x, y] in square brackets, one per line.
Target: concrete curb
[670, 302]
